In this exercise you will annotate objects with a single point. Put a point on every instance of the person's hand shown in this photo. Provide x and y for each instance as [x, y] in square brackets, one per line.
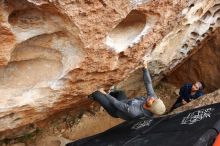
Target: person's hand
[150, 101]
[145, 64]
[190, 99]
[184, 102]
[102, 90]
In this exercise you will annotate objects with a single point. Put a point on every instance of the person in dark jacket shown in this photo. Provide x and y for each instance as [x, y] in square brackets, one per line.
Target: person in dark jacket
[189, 92]
[120, 106]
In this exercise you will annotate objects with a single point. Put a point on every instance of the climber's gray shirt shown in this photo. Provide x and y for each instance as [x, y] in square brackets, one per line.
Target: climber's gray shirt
[130, 109]
[133, 108]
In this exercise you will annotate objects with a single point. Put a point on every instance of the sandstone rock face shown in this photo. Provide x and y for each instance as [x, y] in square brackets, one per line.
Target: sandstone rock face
[198, 31]
[54, 53]
[196, 59]
[203, 65]
[201, 18]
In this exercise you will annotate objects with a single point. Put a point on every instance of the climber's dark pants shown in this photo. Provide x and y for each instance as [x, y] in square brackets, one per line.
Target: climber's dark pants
[120, 95]
[107, 105]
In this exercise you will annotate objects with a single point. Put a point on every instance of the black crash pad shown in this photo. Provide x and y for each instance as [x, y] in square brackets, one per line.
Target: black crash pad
[197, 127]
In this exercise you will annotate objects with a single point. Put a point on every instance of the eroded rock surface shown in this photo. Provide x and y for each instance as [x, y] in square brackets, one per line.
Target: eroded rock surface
[202, 66]
[55, 53]
[201, 18]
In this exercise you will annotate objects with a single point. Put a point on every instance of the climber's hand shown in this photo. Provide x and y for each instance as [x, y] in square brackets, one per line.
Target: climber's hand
[184, 102]
[102, 90]
[144, 63]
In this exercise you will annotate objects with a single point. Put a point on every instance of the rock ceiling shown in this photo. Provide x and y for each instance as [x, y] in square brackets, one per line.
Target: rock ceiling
[54, 53]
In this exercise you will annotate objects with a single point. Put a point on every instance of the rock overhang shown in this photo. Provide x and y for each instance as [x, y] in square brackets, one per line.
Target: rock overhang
[55, 53]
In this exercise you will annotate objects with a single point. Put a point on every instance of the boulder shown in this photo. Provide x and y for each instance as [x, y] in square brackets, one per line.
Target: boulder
[55, 53]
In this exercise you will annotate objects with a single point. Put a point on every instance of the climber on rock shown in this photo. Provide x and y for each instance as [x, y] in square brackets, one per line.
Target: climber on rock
[189, 92]
[119, 106]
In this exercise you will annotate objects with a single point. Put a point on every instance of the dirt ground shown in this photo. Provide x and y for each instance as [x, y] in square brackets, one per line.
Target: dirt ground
[87, 125]
[67, 128]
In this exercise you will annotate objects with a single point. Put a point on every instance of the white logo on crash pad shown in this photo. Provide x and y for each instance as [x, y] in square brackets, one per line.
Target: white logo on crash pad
[141, 124]
[197, 116]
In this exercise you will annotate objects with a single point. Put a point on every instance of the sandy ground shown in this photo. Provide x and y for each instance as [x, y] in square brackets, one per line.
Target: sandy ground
[61, 132]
